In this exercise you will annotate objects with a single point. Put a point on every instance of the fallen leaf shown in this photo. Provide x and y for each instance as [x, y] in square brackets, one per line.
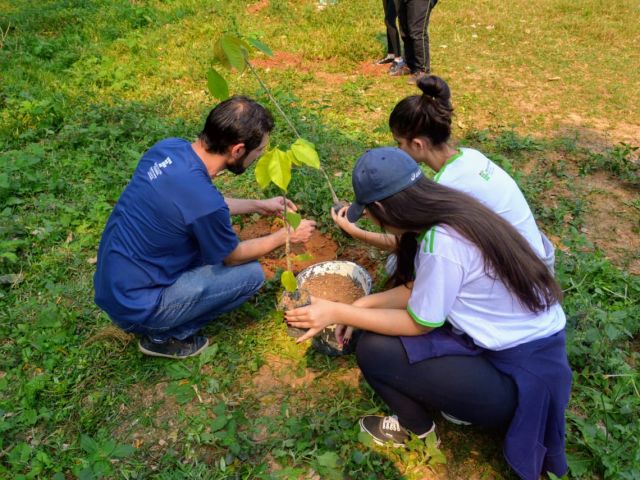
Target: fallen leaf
[11, 278]
[92, 260]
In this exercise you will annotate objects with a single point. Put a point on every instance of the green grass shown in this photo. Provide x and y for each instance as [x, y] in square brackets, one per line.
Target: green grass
[87, 86]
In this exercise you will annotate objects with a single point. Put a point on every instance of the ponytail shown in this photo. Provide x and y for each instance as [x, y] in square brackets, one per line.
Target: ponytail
[427, 115]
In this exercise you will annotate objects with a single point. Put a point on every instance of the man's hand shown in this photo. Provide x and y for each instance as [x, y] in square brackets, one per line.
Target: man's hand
[303, 232]
[274, 206]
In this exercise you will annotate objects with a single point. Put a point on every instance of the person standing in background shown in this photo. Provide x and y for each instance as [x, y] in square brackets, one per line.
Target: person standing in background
[414, 28]
[394, 51]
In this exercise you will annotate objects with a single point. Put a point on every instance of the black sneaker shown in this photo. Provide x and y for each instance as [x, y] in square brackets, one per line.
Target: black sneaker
[388, 59]
[174, 348]
[387, 430]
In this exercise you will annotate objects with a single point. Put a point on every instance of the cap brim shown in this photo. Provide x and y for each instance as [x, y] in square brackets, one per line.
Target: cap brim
[355, 212]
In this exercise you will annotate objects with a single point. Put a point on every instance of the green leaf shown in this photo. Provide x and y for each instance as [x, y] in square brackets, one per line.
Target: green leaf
[122, 451]
[177, 371]
[365, 439]
[288, 281]
[303, 257]
[280, 169]
[183, 393]
[328, 459]
[305, 153]
[219, 55]
[88, 444]
[262, 170]
[218, 422]
[218, 87]
[293, 219]
[260, 46]
[232, 48]
[208, 354]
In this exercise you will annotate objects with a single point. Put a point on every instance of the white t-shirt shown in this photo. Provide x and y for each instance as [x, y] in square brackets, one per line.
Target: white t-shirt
[474, 174]
[451, 284]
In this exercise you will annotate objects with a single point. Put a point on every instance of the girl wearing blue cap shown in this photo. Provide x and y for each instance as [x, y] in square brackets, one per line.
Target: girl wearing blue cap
[499, 360]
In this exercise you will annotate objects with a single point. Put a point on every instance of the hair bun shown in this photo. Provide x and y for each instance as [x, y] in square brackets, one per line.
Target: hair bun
[433, 86]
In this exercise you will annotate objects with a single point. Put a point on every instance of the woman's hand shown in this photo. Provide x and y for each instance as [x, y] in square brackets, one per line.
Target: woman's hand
[340, 218]
[343, 334]
[316, 316]
[275, 206]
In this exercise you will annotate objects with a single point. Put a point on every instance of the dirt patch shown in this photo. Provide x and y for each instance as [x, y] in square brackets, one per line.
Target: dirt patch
[281, 60]
[370, 69]
[334, 287]
[319, 248]
[258, 6]
[612, 222]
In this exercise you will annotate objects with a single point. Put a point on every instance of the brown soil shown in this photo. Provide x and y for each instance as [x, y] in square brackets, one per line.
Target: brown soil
[258, 6]
[334, 287]
[282, 60]
[320, 247]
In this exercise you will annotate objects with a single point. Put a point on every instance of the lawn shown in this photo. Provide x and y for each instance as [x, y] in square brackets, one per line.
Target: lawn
[547, 89]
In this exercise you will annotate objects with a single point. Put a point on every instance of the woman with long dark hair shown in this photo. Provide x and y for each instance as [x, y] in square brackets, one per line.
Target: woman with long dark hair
[499, 360]
[421, 125]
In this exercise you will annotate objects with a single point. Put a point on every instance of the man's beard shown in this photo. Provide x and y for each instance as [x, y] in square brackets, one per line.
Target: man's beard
[238, 167]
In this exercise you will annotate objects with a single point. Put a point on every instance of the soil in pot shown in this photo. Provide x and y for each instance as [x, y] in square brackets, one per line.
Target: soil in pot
[337, 288]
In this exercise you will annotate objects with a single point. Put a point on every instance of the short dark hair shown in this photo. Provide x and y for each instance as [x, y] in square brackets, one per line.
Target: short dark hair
[427, 115]
[238, 119]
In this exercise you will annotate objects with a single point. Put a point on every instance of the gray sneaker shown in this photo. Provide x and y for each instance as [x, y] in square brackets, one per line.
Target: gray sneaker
[174, 348]
[387, 430]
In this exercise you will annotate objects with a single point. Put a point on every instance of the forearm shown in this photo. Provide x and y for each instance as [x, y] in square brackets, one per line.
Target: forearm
[383, 241]
[255, 248]
[397, 297]
[240, 206]
[385, 321]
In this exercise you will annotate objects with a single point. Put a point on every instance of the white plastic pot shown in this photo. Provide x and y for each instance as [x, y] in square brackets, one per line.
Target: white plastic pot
[325, 341]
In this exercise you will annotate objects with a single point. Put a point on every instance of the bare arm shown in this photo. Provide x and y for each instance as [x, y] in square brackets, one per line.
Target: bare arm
[270, 206]
[383, 241]
[255, 248]
[397, 297]
[321, 313]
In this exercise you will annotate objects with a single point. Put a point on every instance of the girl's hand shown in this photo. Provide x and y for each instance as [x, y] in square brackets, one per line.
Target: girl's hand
[343, 334]
[341, 220]
[315, 317]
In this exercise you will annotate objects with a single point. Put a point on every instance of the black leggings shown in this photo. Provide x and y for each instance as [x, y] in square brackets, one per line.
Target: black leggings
[469, 388]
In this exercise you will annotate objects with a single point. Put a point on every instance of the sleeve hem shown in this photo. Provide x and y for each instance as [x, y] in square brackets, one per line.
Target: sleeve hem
[420, 321]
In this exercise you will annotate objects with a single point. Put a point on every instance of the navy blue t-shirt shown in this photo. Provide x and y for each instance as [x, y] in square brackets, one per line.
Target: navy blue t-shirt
[169, 219]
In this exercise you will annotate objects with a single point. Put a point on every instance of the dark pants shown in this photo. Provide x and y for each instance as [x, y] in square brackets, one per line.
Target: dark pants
[414, 28]
[467, 387]
[390, 19]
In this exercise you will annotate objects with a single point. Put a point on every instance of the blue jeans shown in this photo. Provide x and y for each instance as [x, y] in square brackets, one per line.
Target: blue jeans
[197, 297]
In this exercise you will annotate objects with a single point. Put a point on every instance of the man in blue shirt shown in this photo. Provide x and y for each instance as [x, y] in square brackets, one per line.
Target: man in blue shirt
[169, 261]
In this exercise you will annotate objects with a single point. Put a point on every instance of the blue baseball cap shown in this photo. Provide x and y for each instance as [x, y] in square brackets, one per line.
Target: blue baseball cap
[378, 174]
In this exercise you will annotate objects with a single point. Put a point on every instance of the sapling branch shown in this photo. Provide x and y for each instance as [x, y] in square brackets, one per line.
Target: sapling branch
[334, 197]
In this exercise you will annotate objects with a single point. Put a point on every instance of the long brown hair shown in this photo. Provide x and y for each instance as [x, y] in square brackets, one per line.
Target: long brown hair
[507, 255]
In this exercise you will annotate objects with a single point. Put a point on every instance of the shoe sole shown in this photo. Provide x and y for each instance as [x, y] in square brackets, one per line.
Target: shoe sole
[454, 420]
[175, 357]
